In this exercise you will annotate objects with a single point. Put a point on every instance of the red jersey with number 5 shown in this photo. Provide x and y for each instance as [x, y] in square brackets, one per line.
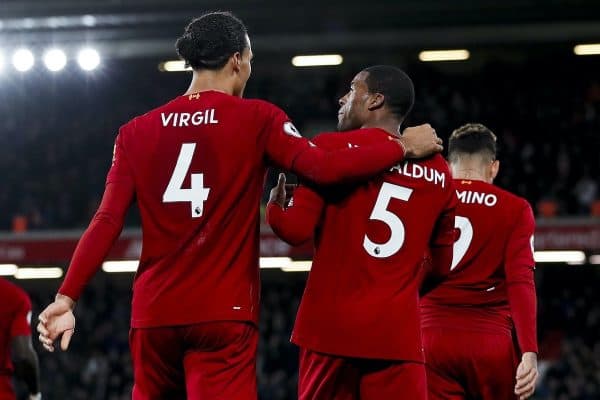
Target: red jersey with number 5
[196, 167]
[361, 298]
[491, 286]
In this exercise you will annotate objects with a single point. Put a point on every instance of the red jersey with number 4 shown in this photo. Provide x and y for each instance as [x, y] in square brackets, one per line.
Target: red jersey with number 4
[491, 286]
[15, 319]
[196, 167]
[361, 298]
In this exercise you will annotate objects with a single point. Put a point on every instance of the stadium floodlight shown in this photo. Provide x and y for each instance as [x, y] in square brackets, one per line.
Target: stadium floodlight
[88, 59]
[120, 266]
[173, 66]
[8, 269]
[1, 62]
[55, 59]
[587, 49]
[274, 262]
[444, 55]
[23, 60]
[298, 266]
[573, 257]
[317, 60]
[39, 273]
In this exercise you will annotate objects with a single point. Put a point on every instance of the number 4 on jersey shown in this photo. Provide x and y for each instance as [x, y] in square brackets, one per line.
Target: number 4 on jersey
[197, 194]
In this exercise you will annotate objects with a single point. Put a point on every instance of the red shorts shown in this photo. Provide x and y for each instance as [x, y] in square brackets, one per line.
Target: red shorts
[464, 364]
[328, 377]
[207, 361]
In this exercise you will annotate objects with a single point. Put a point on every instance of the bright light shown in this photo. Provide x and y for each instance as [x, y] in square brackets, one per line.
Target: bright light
[444, 55]
[120, 266]
[274, 262]
[23, 60]
[317, 60]
[298, 266]
[1, 62]
[595, 259]
[88, 59]
[88, 20]
[571, 257]
[38, 273]
[8, 269]
[55, 59]
[587, 49]
[173, 66]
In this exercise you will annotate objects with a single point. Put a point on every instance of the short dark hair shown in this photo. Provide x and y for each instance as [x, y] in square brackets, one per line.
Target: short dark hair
[396, 87]
[209, 40]
[472, 138]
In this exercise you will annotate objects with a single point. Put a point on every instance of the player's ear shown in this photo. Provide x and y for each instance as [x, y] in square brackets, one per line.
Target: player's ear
[495, 167]
[237, 61]
[376, 101]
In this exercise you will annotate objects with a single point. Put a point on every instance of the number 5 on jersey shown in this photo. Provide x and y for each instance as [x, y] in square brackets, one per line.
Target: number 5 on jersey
[380, 212]
[197, 194]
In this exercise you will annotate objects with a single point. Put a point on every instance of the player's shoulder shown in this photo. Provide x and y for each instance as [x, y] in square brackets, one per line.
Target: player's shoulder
[511, 198]
[147, 117]
[436, 161]
[260, 106]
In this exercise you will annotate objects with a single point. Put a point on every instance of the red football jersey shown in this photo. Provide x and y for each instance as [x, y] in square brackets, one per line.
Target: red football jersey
[361, 298]
[491, 285]
[196, 167]
[15, 320]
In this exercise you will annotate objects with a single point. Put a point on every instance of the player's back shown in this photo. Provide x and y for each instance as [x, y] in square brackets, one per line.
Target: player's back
[361, 296]
[198, 168]
[486, 217]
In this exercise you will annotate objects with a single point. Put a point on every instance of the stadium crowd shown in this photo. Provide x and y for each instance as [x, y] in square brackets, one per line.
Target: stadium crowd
[56, 139]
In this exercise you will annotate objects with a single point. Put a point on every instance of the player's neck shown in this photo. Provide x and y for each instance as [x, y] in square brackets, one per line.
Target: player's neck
[209, 80]
[469, 173]
[471, 168]
[390, 125]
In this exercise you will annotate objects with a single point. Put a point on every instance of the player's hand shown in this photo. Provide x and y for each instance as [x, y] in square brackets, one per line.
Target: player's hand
[420, 141]
[282, 192]
[527, 374]
[56, 320]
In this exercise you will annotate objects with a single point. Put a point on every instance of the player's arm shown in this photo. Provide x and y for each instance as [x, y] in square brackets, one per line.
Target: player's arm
[518, 267]
[24, 357]
[57, 319]
[286, 148]
[436, 265]
[296, 223]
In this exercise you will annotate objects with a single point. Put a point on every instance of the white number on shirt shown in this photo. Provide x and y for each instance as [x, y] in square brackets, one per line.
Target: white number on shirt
[197, 193]
[380, 212]
[464, 241]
